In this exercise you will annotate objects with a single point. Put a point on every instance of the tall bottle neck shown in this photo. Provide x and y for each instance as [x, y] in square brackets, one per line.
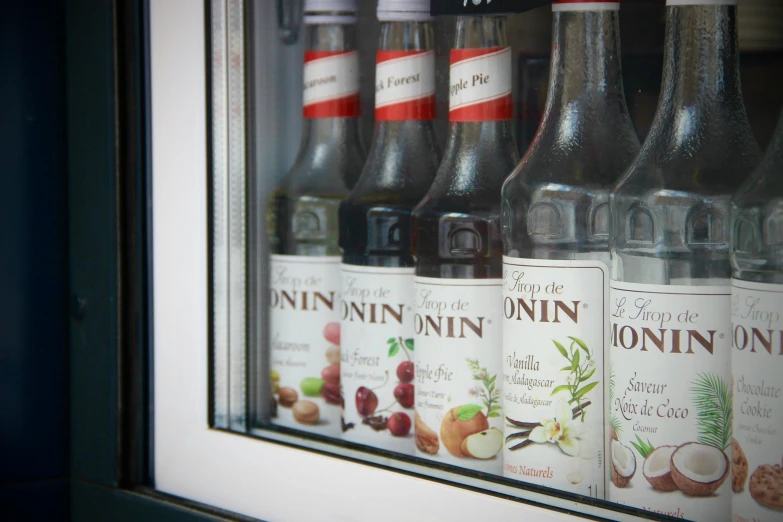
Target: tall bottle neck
[406, 36]
[701, 59]
[317, 131]
[585, 57]
[480, 31]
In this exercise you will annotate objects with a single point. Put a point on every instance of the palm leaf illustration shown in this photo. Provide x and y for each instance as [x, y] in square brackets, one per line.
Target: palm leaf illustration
[712, 397]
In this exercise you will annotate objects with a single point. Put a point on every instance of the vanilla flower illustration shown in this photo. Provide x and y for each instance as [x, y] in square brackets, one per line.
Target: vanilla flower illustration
[562, 430]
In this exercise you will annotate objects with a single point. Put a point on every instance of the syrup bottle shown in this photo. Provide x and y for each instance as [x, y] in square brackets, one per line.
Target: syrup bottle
[377, 367]
[757, 336]
[670, 324]
[457, 246]
[555, 216]
[303, 226]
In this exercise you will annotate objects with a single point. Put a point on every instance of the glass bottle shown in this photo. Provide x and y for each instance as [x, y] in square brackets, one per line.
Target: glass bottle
[555, 218]
[757, 337]
[670, 327]
[303, 226]
[457, 246]
[377, 270]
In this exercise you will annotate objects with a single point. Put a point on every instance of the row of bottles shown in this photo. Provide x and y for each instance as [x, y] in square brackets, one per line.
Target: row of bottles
[565, 320]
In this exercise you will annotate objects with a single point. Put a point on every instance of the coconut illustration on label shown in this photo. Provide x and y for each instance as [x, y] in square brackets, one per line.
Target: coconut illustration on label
[697, 469]
[623, 464]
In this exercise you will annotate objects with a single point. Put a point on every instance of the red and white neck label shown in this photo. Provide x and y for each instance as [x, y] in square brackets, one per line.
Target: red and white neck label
[331, 84]
[581, 5]
[404, 85]
[480, 84]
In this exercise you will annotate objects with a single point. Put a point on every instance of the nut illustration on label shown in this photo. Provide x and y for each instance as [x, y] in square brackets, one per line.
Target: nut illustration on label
[623, 464]
[766, 486]
[739, 467]
[657, 468]
[426, 439]
[699, 469]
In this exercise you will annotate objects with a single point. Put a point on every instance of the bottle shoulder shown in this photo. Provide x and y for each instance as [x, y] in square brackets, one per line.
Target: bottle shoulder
[685, 153]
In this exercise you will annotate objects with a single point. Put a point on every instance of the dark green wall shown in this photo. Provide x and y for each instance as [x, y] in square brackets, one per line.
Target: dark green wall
[33, 263]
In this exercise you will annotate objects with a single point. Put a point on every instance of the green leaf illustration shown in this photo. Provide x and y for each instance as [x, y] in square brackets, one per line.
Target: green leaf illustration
[575, 362]
[643, 449]
[617, 425]
[588, 375]
[393, 349]
[562, 387]
[391, 340]
[582, 391]
[468, 411]
[564, 368]
[611, 384]
[409, 344]
[493, 414]
[581, 344]
[712, 397]
[561, 349]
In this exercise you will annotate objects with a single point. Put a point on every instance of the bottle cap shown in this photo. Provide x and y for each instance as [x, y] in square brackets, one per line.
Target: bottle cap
[582, 5]
[404, 10]
[330, 11]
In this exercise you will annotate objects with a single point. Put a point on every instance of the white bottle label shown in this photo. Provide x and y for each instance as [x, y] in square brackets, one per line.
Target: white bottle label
[480, 84]
[458, 372]
[757, 368]
[405, 85]
[304, 324]
[331, 84]
[555, 328]
[670, 398]
[377, 369]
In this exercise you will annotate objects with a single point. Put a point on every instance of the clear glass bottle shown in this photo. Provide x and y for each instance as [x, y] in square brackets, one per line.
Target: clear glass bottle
[555, 217]
[757, 336]
[375, 220]
[303, 226]
[669, 297]
[457, 246]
